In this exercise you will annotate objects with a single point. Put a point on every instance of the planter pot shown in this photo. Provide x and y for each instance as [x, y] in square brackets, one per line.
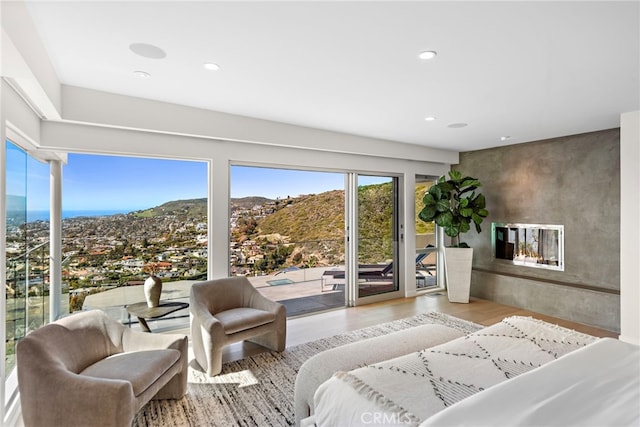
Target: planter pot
[457, 268]
[152, 290]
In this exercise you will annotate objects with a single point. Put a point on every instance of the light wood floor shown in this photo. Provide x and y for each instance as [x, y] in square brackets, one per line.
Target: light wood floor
[316, 326]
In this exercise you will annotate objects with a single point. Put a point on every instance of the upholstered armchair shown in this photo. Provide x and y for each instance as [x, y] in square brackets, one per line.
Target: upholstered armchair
[90, 370]
[229, 310]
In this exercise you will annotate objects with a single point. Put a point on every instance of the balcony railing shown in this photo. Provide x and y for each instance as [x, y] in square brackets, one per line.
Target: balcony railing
[27, 296]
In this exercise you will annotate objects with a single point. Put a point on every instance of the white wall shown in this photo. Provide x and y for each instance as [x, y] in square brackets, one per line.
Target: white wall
[630, 227]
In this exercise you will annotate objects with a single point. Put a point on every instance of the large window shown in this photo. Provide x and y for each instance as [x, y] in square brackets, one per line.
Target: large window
[126, 217]
[286, 231]
[287, 234]
[120, 217]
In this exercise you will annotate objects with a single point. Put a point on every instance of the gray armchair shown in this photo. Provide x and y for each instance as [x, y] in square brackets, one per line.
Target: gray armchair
[90, 370]
[229, 310]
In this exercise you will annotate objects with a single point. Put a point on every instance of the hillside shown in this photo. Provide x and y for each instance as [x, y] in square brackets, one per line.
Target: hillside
[308, 229]
[308, 218]
[248, 202]
[191, 208]
[197, 208]
[315, 223]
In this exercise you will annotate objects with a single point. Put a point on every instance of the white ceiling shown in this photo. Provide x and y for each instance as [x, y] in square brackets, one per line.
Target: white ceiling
[529, 70]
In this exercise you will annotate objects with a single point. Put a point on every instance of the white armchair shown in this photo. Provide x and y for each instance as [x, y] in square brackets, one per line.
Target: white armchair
[229, 310]
[90, 370]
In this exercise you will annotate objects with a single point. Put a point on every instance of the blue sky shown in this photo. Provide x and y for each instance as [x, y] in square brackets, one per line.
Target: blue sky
[92, 182]
[273, 183]
[96, 182]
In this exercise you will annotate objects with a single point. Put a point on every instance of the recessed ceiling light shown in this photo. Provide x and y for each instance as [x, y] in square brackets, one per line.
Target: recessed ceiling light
[147, 50]
[429, 118]
[457, 125]
[211, 66]
[427, 54]
[141, 74]
[504, 138]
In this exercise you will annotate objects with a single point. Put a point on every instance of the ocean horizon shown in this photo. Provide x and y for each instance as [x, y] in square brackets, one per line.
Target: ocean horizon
[44, 215]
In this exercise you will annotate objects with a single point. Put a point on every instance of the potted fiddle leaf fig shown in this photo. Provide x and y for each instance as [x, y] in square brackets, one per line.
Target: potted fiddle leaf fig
[453, 204]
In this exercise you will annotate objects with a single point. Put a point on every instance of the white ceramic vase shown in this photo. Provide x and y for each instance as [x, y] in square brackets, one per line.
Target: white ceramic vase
[152, 290]
[457, 265]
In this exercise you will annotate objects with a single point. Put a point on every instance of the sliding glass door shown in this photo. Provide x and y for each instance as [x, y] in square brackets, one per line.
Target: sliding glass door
[286, 235]
[375, 224]
[427, 241]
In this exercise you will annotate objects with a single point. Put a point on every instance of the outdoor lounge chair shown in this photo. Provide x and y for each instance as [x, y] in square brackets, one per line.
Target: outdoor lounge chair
[370, 272]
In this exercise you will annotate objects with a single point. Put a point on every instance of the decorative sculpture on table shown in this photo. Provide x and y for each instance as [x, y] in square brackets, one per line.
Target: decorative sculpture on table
[152, 286]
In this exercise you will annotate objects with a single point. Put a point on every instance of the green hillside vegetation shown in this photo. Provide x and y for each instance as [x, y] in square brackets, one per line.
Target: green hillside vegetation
[307, 218]
[309, 228]
[315, 224]
[375, 222]
[192, 208]
[421, 226]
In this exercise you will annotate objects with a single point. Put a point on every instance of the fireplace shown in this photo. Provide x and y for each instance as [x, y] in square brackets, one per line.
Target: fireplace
[528, 245]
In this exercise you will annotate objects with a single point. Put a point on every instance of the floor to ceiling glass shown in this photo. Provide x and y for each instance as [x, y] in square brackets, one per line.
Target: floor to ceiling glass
[377, 238]
[426, 240]
[27, 247]
[286, 235]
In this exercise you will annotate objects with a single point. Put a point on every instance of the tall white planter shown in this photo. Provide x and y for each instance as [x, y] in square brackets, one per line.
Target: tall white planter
[457, 269]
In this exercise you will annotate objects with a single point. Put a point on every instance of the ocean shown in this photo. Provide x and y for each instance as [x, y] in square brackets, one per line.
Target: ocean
[44, 215]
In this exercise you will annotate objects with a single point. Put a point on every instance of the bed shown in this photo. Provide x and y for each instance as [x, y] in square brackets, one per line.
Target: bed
[520, 371]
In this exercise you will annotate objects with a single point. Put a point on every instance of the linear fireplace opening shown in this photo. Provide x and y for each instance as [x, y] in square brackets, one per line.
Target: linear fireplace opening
[528, 245]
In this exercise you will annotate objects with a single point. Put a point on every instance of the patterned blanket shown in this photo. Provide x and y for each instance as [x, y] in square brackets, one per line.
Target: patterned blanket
[409, 389]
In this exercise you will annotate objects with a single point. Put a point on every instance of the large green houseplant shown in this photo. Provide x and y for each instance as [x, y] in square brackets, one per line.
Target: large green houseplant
[454, 205]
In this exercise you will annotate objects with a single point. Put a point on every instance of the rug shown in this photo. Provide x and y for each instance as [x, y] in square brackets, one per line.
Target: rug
[258, 390]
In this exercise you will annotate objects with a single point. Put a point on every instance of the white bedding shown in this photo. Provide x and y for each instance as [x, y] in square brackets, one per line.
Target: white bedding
[410, 389]
[598, 385]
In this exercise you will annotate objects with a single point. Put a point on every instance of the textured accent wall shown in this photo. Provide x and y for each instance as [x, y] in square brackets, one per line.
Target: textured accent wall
[573, 181]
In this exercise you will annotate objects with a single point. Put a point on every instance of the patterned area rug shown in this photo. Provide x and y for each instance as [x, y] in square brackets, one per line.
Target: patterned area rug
[258, 391]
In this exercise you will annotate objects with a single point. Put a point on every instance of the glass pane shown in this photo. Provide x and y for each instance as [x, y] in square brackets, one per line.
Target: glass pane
[377, 241]
[287, 235]
[27, 231]
[426, 256]
[16, 211]
[124, 218]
